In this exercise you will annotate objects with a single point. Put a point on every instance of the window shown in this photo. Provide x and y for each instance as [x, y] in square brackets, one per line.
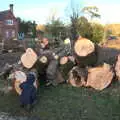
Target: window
[9, 22]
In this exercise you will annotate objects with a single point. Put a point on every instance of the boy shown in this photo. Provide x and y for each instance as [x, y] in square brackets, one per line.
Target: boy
[28, 95]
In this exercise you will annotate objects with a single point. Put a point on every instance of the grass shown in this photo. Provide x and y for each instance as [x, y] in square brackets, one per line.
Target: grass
[65, 102]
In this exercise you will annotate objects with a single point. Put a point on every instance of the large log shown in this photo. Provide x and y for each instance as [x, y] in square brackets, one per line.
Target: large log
[65, 68]
[88, 54]
[106, 55]
[85, 52]
[100, 77]
[59, 78]
[21, 77]
[117, 68]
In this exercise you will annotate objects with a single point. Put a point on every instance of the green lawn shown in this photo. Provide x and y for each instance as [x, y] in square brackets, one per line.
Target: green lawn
[65, 102]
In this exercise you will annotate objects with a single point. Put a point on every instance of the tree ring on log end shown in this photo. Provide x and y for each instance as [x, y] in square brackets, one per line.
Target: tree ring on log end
[78, 77]
[100, 77]
[84, 47]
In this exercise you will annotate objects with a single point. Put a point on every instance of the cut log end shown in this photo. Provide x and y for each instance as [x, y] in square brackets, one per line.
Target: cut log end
[29, 58]
[83, 47]
[77, 77]
[85, 52]
[100, 77]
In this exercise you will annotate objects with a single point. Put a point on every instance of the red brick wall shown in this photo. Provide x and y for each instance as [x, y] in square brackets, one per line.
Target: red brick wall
[9, 28]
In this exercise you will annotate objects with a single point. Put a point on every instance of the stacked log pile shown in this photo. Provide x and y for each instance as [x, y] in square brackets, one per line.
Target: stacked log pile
[96, 66]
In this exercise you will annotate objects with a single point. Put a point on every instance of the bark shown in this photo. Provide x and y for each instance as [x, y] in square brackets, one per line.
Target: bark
[117, 68]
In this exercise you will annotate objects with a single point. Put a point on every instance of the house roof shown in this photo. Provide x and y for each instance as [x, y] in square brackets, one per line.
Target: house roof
[3, 14]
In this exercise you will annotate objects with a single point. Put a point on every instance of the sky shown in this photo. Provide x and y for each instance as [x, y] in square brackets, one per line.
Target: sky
[42, 10]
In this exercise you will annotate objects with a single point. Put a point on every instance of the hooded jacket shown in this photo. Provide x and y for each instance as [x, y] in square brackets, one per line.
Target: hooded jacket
[28, 94]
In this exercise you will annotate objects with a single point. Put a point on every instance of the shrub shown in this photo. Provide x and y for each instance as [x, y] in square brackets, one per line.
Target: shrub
[98, 32]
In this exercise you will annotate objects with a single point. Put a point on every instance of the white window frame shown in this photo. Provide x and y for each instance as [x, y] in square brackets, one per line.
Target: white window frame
[9, 22]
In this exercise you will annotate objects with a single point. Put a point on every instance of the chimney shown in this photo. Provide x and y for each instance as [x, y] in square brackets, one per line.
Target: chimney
[11, 8]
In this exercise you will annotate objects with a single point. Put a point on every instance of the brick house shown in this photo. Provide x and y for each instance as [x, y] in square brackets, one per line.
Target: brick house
[8, 24]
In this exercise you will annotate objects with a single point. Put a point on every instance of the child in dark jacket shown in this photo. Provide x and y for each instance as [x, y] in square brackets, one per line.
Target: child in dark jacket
[28, 95]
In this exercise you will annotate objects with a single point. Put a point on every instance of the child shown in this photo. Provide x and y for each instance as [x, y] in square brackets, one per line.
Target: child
[28, 95]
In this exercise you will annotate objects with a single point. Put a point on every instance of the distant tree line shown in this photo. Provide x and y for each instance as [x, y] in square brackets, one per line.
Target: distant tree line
[27, 27]
[79, 25]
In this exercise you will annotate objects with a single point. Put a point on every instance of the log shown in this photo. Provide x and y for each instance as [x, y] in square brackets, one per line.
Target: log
[83, 47]
[65, 68]
[29, 58]
[41, 66]
[59, 78]
[85, 52]
[117, 68]
[77, 77]
[100, 77]
[106, 55]
[87, 55]
[21, 77]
